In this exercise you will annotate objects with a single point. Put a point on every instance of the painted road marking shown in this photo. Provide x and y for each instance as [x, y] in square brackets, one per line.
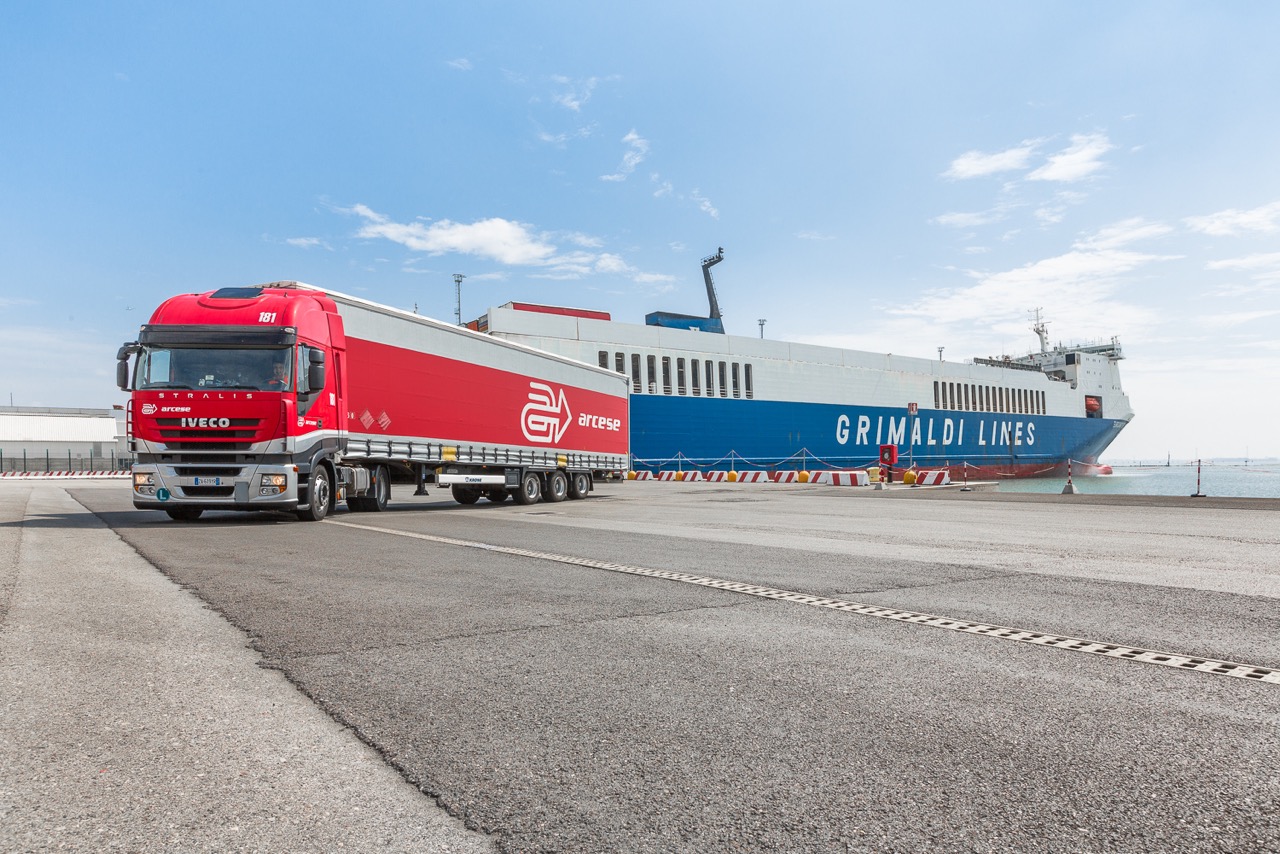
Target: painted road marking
[1129, 653]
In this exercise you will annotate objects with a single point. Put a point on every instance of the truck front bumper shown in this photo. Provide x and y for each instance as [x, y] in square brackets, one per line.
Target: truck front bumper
[252, 487]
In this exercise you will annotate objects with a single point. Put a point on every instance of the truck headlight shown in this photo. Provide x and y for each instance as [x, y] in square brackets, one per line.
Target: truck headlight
[273, 484]
[144, 483]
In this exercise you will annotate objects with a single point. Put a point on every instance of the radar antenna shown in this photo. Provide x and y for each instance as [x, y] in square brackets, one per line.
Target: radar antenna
[707, 264]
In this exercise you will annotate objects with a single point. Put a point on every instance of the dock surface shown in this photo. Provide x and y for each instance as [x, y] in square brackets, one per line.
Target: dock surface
[661, 667]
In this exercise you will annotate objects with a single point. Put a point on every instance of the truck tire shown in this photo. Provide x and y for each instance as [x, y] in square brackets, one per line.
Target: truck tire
[497, 496]
[530, 488]
[320, 495]
[557, 487]
[465, 494]
[379, 490]
[579, 484]
[183, 514]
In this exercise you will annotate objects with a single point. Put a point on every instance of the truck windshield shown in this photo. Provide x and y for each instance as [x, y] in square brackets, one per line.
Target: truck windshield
[259, 369]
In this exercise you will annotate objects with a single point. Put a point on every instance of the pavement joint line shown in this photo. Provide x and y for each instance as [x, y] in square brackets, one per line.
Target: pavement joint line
[1177, 661]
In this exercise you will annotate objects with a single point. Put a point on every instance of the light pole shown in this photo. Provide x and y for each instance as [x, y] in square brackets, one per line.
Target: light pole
[762, 322]
[457, 286]
[940, 349]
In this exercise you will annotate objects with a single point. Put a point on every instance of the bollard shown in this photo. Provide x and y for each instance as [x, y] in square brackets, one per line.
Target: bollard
[1069, 489]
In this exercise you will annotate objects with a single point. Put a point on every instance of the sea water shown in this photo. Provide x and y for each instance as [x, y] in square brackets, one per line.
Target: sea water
[1220, 480]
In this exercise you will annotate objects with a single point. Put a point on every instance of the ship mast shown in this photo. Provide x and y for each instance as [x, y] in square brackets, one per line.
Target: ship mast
[1041, 331]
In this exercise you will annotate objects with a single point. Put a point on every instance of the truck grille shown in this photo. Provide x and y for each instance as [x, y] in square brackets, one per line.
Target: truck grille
[237, 436]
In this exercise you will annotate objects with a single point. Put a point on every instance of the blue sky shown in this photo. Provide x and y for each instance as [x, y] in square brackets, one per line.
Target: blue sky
[887, 177]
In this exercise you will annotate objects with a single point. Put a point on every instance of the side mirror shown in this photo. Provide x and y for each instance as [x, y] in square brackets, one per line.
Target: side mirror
[122, 363]
[315, 370]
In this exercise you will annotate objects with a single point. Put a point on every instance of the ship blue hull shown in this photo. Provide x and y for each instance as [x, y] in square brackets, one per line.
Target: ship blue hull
[684, 433]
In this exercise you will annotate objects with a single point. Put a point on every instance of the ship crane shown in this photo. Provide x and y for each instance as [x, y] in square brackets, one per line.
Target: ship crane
[707, 263]
[710, 323]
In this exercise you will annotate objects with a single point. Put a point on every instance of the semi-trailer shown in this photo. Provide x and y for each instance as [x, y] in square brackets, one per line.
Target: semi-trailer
[285, 396]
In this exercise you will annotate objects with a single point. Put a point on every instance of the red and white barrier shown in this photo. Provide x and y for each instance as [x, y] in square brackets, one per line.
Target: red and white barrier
[642, 475]
[716, 476]
[933, 478]
[842, 478]
[64, 474]
[754, 477]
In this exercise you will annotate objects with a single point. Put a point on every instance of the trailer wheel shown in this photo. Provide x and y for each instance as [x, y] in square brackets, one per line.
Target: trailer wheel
[321, 494]
[183, 514]
[530, 488]
[579, 484]
[380, 495]
[497, 496]
[557, 487]
[465, 494]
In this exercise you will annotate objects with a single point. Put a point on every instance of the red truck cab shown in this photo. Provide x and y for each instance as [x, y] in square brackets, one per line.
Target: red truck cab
[235, 393]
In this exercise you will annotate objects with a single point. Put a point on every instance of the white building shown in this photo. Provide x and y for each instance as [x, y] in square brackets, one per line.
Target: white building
[49, 439]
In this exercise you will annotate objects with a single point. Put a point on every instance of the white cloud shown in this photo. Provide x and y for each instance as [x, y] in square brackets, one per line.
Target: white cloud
[499, 239]
[586, 241]
[1264, 260]
[1123, 233]
[976, 164]
[1229, 223]
[504, 241]
[560, 139]
[1079, 160]
[306, 242]
[969, 220]
[638, 150]
[576, 95]
[813, 235]
[704, 204]
[461, 64]
[1236, 318]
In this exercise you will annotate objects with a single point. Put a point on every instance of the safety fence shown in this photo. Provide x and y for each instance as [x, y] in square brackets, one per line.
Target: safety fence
[806, 461]
[48, 461]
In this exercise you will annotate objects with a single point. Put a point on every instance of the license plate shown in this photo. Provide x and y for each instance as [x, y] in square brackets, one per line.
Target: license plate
[207, 481]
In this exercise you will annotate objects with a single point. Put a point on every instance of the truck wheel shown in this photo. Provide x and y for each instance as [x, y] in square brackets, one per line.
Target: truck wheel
[380, 490]
[530, 488]
[497, 496]
[183, 514]
[557, 487]
[319, 495]
[579, 484]
[465, 494]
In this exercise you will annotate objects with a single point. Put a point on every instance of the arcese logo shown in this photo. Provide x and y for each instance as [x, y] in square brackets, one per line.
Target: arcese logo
[545, 417]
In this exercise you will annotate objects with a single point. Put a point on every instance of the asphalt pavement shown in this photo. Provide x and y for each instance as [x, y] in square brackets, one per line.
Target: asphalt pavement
[611, 675]
[134, 718]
